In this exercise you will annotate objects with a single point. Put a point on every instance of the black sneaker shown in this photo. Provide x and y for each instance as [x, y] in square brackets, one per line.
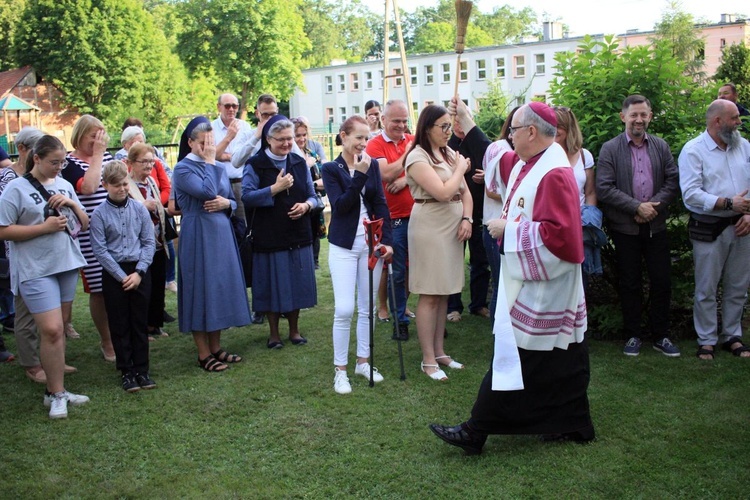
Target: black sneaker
[144, 381]
[257, 318]
[403, 332]
[129, 383]
[168, 318]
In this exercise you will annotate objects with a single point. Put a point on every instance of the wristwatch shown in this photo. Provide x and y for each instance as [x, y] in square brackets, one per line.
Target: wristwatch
[471, 221]
[728, 205]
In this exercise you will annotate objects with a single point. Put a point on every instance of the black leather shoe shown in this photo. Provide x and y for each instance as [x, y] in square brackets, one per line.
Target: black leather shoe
[168, 318]
[461, 436]
[402, 333]
[257, 318]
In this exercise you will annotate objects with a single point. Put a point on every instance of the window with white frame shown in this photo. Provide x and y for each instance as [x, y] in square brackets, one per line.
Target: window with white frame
[368, 80]
[481, 69]
[329, 84]
[429, 76]
[539, 98]
[446, 72]
[380, 79]
[342, 112]
[399, 80]
[354, 81]
[329, 115]
[342, 83]
[519, 66]
[539, 64]
[463, 74]
[355, 110]
[500, 67]
[413, 76]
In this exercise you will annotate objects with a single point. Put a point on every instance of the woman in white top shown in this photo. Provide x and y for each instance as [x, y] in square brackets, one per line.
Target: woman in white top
[570, 138]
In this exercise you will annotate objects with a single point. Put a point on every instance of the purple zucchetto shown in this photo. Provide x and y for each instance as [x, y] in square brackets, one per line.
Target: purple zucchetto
[545, 112]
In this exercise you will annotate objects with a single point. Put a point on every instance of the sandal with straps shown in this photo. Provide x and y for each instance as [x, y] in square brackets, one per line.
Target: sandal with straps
[702, 351]
[455, 365]
[737, 351]
[225, 357]
[211, 364]
[438, 375]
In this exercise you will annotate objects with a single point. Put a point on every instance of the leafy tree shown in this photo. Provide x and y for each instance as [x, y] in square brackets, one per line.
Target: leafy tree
[676, 30]
[494, 107]
[10, 15]
[252, 46]
[106, 56]
[735, 68]
[505, 24]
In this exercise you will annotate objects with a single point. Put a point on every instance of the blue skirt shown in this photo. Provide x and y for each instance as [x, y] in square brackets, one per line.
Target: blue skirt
[284, 281]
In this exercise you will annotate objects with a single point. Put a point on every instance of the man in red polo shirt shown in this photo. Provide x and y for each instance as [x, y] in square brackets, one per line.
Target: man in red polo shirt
[390, 148]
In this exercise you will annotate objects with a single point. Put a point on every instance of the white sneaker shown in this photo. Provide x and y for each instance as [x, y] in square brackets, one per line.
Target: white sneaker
[364, 370]
[341, 382]
[58, 405]
[73, 399]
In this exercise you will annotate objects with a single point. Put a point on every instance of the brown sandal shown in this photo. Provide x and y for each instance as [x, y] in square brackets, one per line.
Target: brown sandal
[225, 357]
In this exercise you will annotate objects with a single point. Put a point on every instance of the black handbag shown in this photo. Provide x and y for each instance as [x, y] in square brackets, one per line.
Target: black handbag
[4, 270]
[710, 228]
[170, 232]
[73, 226]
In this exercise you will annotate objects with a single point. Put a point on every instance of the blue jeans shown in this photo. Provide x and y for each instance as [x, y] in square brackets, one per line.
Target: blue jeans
[493, 257]
[400, 256]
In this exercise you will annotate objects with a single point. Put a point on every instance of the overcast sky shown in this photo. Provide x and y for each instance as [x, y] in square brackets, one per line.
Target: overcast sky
[605, 16]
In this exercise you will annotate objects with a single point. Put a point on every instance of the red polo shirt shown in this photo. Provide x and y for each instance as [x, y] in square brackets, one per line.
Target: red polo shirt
[381, 147]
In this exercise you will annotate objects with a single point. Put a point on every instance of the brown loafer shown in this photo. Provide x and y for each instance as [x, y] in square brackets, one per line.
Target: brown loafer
[37, 376]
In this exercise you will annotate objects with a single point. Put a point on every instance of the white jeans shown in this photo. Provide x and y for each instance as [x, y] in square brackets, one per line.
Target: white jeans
[349, 274]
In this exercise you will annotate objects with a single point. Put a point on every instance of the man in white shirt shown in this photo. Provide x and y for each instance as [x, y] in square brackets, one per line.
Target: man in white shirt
[715, 178]
[229, 133]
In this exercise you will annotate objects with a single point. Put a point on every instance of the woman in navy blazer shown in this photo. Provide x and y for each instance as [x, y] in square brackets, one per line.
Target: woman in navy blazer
[355, 192]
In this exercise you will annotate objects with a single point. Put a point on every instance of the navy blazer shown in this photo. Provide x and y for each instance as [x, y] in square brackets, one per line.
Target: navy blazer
[344, 196]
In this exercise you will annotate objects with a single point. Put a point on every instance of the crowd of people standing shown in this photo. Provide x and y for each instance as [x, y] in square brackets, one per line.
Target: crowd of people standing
[531, 206]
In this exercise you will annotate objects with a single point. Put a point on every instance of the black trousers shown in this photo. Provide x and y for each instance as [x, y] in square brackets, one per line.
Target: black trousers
[158, 272]
[479, 274]
[126, 314]
[631, 252]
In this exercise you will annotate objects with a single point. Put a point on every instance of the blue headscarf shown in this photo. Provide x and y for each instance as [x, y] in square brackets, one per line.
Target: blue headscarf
[263, 141]
[184, 147]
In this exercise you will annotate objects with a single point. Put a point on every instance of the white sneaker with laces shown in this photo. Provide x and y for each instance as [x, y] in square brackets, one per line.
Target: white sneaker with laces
[341, 382]
[73, 399]
[58, 407]
[364, 370]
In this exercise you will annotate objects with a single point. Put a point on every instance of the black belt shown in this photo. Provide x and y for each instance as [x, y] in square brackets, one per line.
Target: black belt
[235, 181]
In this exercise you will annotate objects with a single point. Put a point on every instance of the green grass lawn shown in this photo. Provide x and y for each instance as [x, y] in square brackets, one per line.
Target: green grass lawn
[272, 427]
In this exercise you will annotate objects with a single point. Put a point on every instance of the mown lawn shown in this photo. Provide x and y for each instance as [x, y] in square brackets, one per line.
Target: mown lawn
[272, 427]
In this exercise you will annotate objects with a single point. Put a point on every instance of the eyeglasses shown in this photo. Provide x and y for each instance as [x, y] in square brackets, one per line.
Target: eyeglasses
[512, 130]
[145, 162]
[268, 115]
[445, 127]
[282, 139]
[58, 163]
[231, 106]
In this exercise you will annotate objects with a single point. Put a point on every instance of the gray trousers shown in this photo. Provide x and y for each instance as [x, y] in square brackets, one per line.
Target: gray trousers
[237, 190]
[726, 259]
[27, 339]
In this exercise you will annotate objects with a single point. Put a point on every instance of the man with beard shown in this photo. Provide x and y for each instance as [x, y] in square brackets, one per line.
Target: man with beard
[715, 178]
[636, 180]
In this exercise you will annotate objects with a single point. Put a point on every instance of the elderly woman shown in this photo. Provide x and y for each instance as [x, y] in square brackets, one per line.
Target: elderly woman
[84, 171]
[440, 223]
[315, 157]
[278, 194]
[140, 162]
[211, 295]
[45, 258]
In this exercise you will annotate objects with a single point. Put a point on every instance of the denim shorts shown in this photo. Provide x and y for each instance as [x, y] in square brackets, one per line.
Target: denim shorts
[49, 292]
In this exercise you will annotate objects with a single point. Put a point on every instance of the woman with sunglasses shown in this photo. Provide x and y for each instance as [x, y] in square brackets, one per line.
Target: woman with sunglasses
[440, 223]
